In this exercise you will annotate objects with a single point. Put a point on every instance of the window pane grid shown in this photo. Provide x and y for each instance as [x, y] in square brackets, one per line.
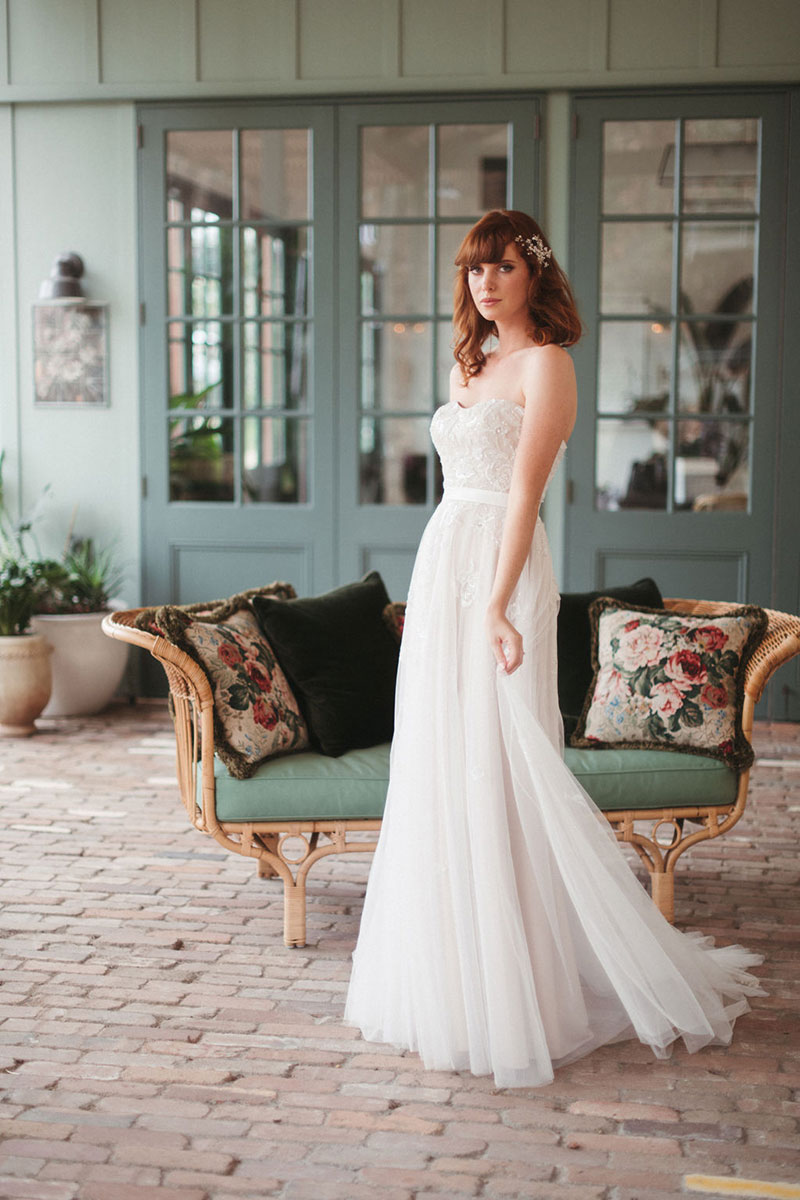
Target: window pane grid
[414, 178]
[245, 435]
[708, 393]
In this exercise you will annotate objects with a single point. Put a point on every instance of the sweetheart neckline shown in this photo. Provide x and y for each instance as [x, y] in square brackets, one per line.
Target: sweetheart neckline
[488, 400]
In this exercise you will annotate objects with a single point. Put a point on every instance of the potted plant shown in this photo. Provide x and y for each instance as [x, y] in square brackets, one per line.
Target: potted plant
[63, 602]
[25, 676]
[70, 607]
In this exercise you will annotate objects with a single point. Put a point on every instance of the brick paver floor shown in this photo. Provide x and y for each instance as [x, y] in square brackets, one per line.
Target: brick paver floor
[157, 1040]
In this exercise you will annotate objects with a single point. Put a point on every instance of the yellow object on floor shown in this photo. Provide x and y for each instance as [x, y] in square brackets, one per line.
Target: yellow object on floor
[725, 1186]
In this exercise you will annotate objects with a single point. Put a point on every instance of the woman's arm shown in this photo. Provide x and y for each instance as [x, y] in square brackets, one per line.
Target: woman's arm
[548, 385]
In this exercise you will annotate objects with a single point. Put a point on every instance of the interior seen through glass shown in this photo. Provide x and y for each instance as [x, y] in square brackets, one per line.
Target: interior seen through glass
[422, 187]
[686, 345]
[239, 349]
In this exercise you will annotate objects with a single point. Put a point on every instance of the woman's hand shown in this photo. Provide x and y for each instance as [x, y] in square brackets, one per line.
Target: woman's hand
[505, 640]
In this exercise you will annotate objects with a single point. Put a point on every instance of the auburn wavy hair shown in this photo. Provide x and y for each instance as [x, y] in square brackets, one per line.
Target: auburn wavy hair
[551, 305]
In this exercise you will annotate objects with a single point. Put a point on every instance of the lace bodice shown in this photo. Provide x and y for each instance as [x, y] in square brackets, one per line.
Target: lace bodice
[477, 445]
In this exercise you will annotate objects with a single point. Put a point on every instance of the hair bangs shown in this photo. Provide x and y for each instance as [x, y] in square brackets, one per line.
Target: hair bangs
[486, 243]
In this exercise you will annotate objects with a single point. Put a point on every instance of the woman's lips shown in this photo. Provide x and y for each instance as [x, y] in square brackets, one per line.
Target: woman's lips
[489, 300]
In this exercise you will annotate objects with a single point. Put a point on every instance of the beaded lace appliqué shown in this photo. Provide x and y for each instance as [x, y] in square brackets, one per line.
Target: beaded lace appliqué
[477, 445]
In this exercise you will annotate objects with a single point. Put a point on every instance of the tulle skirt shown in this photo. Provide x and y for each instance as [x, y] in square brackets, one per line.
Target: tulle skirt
[503, 930]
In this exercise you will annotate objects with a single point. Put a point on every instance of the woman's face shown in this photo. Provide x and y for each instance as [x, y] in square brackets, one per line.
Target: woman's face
[500, 290]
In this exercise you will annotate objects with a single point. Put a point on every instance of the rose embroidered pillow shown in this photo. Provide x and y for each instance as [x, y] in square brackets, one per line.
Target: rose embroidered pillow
[255, 712]
[671, 681]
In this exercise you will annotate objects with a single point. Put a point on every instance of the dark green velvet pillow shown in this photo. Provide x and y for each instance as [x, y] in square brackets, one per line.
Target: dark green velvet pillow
[575, 669]
[340, 660]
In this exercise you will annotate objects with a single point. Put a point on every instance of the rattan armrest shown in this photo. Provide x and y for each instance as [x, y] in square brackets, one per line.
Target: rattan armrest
[192, 703]
[182, 671]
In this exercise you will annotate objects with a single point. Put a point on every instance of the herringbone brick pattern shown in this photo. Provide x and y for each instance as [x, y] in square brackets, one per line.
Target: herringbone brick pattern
[158, 1041]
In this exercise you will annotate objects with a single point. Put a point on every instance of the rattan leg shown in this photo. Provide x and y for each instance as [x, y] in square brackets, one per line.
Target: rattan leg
[662, 887]
[294, 913]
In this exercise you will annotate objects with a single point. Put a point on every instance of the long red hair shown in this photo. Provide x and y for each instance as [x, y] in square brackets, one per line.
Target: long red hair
[551, 305]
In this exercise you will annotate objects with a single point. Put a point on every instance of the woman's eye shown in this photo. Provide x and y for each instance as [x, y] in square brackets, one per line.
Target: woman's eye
[474, 270]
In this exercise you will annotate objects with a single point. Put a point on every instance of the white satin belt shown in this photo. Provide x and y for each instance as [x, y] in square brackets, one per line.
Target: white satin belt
[477, 496]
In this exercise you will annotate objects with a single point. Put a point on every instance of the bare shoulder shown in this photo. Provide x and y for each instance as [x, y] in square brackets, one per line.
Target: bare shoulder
[550, 390]
[550, 361]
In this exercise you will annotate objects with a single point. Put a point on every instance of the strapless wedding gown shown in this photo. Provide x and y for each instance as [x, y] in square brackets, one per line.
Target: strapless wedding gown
[503, 930]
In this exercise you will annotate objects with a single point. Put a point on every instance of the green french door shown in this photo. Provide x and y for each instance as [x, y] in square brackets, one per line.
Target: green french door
[238, 415]
[677, 226]
[296, 276]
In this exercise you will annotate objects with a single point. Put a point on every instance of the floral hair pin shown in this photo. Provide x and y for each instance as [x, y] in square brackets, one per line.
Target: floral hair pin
[535, 246]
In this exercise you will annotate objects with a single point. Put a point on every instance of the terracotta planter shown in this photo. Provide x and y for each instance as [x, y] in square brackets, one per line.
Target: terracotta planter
[87, 666]
[25, 683]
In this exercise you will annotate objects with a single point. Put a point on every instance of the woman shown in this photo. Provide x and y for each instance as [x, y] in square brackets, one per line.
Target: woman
[503, 931]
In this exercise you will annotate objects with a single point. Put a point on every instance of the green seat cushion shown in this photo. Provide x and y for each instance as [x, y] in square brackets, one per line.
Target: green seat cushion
[309, 786]
[619, 779]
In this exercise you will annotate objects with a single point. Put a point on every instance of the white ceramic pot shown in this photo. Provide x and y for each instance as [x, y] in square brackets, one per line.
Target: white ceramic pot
[87, 666]
[25, 682]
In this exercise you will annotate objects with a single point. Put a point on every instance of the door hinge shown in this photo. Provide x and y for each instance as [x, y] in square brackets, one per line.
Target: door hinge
[139, 137]
[144, 487]
[574, 126]
[537, 127]
[570, 491]
[142, 313]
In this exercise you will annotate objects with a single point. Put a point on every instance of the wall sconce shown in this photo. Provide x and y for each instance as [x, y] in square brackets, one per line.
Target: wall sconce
[64, 281]
[70, 356]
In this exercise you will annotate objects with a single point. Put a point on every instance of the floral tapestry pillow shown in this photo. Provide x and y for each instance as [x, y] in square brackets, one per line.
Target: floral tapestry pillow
[669, 681]
[255, 712]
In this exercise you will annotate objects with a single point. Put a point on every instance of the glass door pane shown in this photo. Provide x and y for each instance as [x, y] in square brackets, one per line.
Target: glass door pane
[677, 313]
[422, 187]
[239, 236]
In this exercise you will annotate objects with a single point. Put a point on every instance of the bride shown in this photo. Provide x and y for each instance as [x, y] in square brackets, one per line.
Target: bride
[503, 931]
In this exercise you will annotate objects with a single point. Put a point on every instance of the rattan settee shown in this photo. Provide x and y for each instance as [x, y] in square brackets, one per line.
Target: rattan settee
[660, 803]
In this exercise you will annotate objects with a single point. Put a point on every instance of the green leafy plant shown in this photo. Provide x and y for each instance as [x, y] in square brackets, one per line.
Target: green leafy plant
[84, 581]
[18, 596]
[19, 578]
